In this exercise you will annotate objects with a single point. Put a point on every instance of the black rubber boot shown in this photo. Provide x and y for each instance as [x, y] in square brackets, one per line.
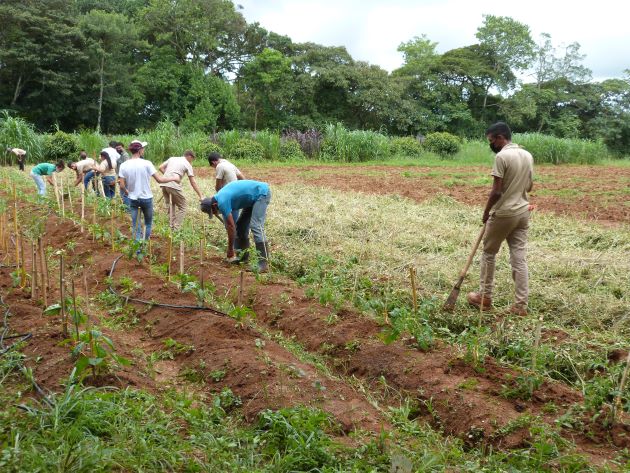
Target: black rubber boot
[262, 248]
[241, 247]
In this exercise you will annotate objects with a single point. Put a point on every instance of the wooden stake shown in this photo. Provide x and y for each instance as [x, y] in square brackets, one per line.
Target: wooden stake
[75, 318]
[70, 188]
[33, 272]
[111, 223]
[62, 294]
[94, 220]
[100, 186]
[241, 283]
[54, 178]
[23, 269]
[201, 263]
[15, 228]
[43, 271]
[82, 206]
[63, 201]
[414, 293]
[181, 256]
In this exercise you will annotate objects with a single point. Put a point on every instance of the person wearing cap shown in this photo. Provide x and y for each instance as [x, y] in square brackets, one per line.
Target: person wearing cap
[135, 183]
[20, 155]
[82, 168]
[45, 169]
[252, 199]
[108, 174]
[172, 192]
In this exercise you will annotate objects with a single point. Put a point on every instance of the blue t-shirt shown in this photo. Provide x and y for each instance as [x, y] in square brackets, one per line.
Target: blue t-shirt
[240, 195]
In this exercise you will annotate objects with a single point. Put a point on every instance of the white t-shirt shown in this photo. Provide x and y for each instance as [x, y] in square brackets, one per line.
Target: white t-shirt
[18, 151]
[227, 171]
[113, 155]
[137, 174]
[177, 166]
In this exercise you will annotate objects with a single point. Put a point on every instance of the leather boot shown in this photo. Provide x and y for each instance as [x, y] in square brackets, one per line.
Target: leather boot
[262, 248]
[241, 246]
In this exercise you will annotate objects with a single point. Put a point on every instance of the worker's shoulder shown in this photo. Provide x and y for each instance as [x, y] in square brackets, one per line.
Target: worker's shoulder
[513, 151]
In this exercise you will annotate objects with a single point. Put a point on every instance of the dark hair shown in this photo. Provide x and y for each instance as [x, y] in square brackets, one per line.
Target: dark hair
[190, 152]
[214, 156]
[61, 165]
[69, 164]
[109, 160]
[83, 153]
[112, 144]
[135, 147]
[500, 128]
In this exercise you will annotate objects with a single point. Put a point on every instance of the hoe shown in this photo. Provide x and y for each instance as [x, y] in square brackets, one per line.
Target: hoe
[449, 305]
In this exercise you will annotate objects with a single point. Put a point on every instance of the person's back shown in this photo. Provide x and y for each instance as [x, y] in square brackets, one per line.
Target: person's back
[227, 171]
[240, 194]
[177, 166]
[84, 165]
[515, 166]
[137, 173]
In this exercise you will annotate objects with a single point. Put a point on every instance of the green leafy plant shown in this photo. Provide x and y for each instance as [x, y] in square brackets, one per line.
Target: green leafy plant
[60, 146]
[246, 149]
[407, 146]
[442, 143]
[96, 352]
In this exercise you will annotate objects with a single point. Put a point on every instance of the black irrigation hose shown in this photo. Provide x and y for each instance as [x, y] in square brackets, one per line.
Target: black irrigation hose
[157, 304]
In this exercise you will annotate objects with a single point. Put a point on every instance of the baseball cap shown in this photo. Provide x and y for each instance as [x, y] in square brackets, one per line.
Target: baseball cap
[206, 205]
[142, 144]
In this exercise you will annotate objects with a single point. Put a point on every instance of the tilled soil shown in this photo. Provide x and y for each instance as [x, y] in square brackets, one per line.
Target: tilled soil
[599, 193]
[449, 393]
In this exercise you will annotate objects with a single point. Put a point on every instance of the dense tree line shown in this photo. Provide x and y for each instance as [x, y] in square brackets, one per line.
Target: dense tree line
[120, 65]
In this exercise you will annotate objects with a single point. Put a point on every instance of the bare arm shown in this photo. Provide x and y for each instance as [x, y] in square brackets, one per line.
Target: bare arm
[50, 180]
[164, 180]
[79, 178]
[218, 184]
[162, 168]
[193, 184]
[240, 176]
[122, 183]
[531, 183]
[493, 198]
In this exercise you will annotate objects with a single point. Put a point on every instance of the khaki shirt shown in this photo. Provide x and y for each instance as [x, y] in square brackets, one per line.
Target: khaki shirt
[85, 165]
[516, 167]
[180, 166]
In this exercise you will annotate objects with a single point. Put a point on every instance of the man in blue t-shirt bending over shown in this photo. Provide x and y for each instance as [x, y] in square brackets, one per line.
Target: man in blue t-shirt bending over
[252, 199]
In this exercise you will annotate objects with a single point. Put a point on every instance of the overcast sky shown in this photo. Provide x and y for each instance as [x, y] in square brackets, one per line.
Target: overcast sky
[371, 30]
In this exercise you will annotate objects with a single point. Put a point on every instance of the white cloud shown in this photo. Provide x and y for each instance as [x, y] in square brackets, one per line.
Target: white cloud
[371, 30]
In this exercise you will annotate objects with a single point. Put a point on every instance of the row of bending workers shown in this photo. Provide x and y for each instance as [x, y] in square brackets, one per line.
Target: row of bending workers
[242, 204]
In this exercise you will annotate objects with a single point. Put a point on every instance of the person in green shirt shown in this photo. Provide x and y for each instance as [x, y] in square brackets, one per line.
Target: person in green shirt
[45, 169]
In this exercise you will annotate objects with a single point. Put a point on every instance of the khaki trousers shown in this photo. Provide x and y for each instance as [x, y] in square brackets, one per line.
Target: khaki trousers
[514, 230]
[177, 201]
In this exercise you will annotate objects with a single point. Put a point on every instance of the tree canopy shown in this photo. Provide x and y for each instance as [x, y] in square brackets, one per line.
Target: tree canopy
[121, 65]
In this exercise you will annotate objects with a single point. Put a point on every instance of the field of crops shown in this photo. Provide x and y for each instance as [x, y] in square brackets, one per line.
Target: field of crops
[340, 358]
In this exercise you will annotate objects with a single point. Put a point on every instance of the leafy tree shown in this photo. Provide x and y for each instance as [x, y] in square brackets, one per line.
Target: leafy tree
[41, 59]
[112, 46]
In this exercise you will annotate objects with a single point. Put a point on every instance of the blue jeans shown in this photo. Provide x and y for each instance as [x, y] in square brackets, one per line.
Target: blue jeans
[253, 218]
[109, 186]
[40, 183]
[146, 205]
[87, 178]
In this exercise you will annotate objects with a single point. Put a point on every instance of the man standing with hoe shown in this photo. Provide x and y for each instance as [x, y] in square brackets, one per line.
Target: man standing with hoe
[506, 217]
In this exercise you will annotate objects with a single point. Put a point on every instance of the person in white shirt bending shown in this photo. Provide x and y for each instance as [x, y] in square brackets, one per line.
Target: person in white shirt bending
[172, 192]
[135, 183]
